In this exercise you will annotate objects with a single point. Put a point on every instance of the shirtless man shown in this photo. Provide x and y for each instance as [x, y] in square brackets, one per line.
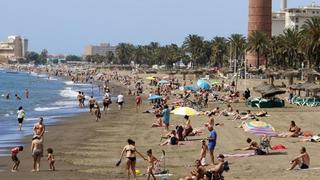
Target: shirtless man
[39, 128]
[37, 152]
[92, 102]
[303, 160]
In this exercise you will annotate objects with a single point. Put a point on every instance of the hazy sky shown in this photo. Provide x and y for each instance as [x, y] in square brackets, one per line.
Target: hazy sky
[66, 26]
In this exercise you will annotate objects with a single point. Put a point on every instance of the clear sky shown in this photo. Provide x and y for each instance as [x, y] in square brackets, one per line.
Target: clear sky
[66, 26]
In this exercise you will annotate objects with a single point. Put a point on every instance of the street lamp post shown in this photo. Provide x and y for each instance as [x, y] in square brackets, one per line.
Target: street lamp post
[302, 66]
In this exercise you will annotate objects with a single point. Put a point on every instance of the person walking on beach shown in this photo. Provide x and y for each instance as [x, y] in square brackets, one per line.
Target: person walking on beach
[92, 102]
[303, 160]
[120, 101]
[21, 116]
[106, 102]
[97, 112]
[130, 151]
[138, 102]
[166, 116]
[212, 142]
[14, 157]
[37, 152]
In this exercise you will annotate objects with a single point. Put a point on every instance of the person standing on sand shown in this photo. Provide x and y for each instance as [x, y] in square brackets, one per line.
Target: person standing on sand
[212, 142]
[120, 101]
[166, 116]
[92, 102]
[130, 151]
[138, 102]
[21, 116]
[39, 128]
[303, 160]
[37, 152]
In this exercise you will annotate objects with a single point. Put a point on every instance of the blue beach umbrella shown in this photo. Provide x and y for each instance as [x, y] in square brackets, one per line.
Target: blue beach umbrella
[163, 82]
[190, 88]
[203, 84]
[154, 97]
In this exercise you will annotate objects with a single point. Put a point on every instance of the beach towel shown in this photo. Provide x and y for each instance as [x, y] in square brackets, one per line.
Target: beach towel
[239, 155]
[278, 147]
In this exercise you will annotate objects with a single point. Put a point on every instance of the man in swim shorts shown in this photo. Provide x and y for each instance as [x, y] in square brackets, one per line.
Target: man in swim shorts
[303, 160]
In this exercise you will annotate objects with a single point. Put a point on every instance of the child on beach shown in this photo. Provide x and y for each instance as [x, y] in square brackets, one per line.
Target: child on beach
[14, 157]
[203, 153]
[51, 159]
[152, 160]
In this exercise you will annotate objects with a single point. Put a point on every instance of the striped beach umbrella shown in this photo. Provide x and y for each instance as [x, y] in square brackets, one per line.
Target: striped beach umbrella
[259, 128]
[185, 111]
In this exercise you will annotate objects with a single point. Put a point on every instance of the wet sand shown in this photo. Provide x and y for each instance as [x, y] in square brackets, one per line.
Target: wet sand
[86, 149]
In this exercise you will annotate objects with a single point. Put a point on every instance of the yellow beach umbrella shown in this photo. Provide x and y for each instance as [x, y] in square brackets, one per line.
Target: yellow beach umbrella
[185, 111]
[150, 78]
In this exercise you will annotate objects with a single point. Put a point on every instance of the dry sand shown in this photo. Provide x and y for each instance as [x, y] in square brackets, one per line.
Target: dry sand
[86, 149]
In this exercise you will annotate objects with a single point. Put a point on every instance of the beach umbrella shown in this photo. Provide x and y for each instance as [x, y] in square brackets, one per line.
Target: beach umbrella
[150, 78]
[163, 82]
[185, 111]
[190, 88]
[154, 97]
[203, 84]
[214, 82]
[259, 128]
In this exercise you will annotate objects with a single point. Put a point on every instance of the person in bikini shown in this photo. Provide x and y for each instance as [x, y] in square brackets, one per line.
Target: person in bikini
[130, 151]
[303, 160]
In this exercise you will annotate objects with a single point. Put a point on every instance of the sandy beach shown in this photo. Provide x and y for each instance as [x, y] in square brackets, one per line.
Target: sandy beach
[86, 149]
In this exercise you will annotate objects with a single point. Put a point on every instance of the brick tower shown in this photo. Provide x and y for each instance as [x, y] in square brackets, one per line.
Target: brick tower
[260, 19]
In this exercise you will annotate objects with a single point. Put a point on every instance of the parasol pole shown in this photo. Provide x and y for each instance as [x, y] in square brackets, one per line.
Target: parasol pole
[245, 72]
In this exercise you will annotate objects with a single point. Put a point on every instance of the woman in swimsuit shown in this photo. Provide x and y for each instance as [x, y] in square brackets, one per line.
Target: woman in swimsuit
[131, 151]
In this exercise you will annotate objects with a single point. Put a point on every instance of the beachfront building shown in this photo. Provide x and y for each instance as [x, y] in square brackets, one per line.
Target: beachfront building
[293, 17]
[15, 47]
[101, 49]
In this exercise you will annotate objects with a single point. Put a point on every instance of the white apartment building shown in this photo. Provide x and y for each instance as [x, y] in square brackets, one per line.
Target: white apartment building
[293, 17]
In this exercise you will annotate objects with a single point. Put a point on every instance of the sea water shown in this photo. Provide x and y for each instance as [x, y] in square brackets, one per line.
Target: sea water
[50, 98]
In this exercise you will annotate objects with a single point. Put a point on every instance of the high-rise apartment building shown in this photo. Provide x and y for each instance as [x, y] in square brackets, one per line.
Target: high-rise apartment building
[293, 17]
[14, 48]
[101, 49]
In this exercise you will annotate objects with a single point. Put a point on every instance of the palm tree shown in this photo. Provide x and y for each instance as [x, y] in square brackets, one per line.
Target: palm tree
[311, 42]
[219, 49]
[291, 41]
[193, 45]
[258, 43]
[124, 53]
[238, 45]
